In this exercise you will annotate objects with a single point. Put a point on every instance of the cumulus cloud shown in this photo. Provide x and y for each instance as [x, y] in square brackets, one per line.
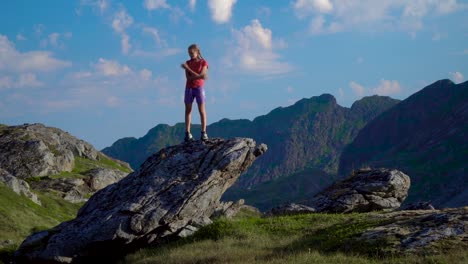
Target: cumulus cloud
[12, 60]
[358, 89]
[457, 76]
[254, 51]
[121, 21]
[20, 37]
[145, 74]
[387, 87]
[304, 7]
[221, 10]
[155, 4]
[330, 16]
[192, 4]
[28, 80]
[111, 68]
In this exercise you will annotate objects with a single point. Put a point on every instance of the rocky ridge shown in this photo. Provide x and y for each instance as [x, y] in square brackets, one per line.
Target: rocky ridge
[173, 193]
[34, 152]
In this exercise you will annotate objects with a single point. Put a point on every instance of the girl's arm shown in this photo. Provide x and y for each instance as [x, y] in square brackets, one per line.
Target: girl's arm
[193, 75]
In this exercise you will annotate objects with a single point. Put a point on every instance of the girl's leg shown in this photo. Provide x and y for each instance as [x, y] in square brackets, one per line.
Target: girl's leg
[201, 109]
[188, 117]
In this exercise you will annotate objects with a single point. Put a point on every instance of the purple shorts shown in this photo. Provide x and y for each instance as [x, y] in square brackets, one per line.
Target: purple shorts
[194, 93]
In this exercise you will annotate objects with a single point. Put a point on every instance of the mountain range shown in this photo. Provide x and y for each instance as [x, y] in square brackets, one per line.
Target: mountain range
[315, 142]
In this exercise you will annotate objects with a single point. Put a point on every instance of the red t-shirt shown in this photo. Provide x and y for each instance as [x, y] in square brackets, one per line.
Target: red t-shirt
[196, 66]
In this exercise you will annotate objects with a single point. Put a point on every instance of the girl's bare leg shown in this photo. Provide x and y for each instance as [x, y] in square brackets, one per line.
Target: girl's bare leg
[202, 110]
[188, 117]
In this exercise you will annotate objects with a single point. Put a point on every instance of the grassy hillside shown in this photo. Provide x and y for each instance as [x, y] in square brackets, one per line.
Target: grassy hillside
[19, 216]
[312, 238]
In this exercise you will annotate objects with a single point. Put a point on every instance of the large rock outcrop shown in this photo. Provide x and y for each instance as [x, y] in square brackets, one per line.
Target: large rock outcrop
[34, 150]
[172, 193]
[364, 191]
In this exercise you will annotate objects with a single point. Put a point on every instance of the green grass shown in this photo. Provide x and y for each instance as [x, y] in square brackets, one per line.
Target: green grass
[19, 216]
[311, 238]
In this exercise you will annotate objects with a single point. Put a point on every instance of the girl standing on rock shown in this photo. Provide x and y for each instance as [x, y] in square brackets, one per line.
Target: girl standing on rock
[196, 71]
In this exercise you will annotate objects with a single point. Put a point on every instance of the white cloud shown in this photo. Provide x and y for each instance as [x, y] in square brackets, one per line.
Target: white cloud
[28, 80]
[387, 87]
[341, 92]
[20, 37]
[289, 89]
[254, 51]
[304, 7]
[122, 20]
[146, 74]
[11, 60]
[155, 4]
[53, 39]
[125, 42]
[221, 10]
[154, 33]
[111, 68]
[457, 76]
[331, 16]
[192, 4]
[358, 89]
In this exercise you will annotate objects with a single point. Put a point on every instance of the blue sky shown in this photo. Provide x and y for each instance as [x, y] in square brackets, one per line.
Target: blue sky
[104, 69]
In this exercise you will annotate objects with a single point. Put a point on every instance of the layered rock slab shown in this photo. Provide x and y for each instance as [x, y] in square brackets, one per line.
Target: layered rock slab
[365, 190]
[174, 190]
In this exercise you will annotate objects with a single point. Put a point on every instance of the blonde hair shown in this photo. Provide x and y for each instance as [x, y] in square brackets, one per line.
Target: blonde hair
[197, 48]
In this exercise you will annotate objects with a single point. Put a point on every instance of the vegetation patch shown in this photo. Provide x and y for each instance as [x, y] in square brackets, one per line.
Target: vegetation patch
[309, 238]
[19, 216]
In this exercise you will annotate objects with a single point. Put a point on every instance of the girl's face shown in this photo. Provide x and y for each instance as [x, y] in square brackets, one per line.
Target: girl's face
[193, 53]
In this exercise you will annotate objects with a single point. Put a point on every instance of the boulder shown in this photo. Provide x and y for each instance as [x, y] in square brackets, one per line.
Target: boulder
[73, 190]
[18, 186]
[102, 177]
[290, 209]
[364, 191]
[419, 231]
[36, 150]
[170, 195]
[231, 209]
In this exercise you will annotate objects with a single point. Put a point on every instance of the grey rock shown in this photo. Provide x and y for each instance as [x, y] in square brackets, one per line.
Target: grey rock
[364, 191]
[73, 190]
[290, 209]
[36, 150]
[173, 191]
[228, 209]
[419, 231]
[418, 206]
[18, 186]
[102, 177]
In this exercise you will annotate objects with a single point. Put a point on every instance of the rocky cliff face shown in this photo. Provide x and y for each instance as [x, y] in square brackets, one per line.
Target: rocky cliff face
[174, 191]
[37, 151]
[423, 136]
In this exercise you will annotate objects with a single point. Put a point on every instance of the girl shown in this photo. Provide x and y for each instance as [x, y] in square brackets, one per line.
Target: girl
[196, 72]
